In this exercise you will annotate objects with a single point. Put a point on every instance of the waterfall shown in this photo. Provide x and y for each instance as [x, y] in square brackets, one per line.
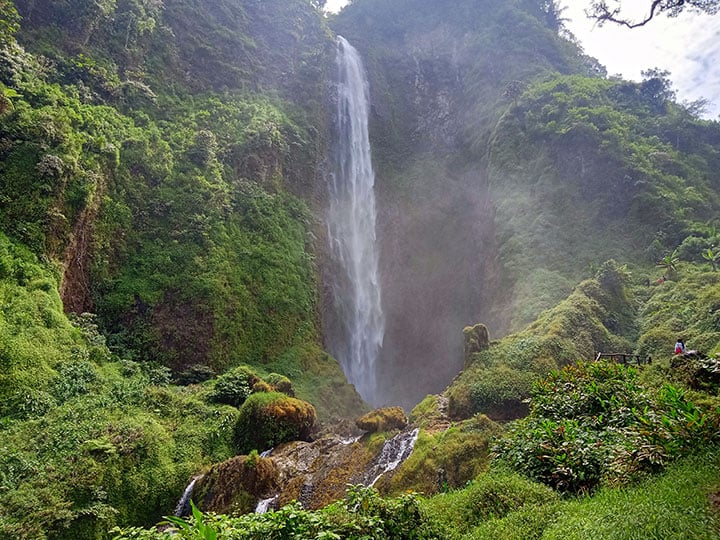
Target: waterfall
[183, 506]
[351, 230]
[265, 505]
[394, 452]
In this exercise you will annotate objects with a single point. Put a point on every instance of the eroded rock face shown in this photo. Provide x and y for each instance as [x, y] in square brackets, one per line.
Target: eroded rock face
[235, 485]
[313, 473]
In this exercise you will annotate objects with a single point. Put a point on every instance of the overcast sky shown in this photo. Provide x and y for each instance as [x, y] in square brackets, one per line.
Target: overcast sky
[688, 46]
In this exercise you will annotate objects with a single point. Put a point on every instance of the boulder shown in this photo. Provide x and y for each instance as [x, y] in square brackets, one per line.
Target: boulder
[269, 418]
[384, 419]
[477, 339]
[234, 486]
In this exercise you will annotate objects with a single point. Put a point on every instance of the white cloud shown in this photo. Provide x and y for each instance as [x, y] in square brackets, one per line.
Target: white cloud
[687, 46]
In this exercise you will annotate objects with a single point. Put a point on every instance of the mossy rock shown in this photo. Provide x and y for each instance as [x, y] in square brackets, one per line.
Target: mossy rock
[384, 419]
[427, 412]
[446, 459]
[477, 339]
[262, 386]
[235, 485]
[270, 418]
[281, 383]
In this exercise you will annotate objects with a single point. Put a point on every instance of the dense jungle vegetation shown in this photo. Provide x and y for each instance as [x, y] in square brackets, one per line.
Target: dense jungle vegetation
[163, 270]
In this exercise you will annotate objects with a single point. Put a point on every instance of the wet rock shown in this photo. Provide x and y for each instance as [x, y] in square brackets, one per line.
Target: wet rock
[318, 473]
[235, 486]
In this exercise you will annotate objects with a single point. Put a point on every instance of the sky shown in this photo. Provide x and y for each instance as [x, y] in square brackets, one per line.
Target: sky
[688, 46]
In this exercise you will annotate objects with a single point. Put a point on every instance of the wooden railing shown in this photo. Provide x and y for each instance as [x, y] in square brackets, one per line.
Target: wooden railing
[625, 358]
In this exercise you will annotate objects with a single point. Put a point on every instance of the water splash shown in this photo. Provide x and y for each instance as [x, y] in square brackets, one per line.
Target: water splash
[183, 506]
[351, 230]
[265, 505]
[394, 452]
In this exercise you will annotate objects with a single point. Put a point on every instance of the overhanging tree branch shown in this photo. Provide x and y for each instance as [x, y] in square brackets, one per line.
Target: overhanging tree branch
[601, 12]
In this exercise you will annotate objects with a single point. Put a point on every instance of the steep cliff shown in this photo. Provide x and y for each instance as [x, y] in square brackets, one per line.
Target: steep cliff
[509, 169]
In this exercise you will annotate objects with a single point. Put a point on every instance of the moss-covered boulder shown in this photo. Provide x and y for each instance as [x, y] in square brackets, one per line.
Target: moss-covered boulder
[270, 418]
[477, 339]
[384, 419]
[501, 393]
[234, 486]
[445, 459]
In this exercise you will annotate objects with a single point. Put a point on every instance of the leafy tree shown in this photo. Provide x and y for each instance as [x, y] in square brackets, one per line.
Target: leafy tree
[712, 256]
[669, 262]
[9, 21]
[603, 12]
[657, 87]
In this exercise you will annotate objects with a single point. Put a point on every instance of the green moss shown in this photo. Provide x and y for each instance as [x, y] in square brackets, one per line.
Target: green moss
[446, 459]
[268, 419]
[234, 386]
[426, 412]
[383, 419]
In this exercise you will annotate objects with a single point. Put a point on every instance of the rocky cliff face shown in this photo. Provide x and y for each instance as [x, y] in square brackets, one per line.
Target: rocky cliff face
[436, 87]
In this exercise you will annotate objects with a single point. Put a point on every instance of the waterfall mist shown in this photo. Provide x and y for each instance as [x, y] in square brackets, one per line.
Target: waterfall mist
[351, 231]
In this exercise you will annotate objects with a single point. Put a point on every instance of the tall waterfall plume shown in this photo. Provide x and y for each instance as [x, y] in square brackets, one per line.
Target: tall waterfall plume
[351, 230]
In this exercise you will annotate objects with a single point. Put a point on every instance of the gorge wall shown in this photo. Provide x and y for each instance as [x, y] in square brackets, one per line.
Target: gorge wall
[437, 84]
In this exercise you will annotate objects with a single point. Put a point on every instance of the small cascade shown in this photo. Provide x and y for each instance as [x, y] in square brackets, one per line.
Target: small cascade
[350, 440]
[267, 453]
[183, 506]
[264, 505]
[394, 452]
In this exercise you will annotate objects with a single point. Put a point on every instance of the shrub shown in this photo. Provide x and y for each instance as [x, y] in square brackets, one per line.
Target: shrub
[362, 514]
[233, 387]
[596, 422]
[195, 375]
[73, 379]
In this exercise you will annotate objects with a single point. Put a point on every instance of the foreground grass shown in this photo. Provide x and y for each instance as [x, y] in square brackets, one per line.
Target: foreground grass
[675, 505]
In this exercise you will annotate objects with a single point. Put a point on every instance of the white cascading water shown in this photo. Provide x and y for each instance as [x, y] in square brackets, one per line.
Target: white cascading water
[351, 229]
[183, 506]
[393, 453]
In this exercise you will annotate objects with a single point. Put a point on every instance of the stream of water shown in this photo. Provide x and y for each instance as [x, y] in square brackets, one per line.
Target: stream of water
[394, 452]
[183, 506]
[351, 230]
